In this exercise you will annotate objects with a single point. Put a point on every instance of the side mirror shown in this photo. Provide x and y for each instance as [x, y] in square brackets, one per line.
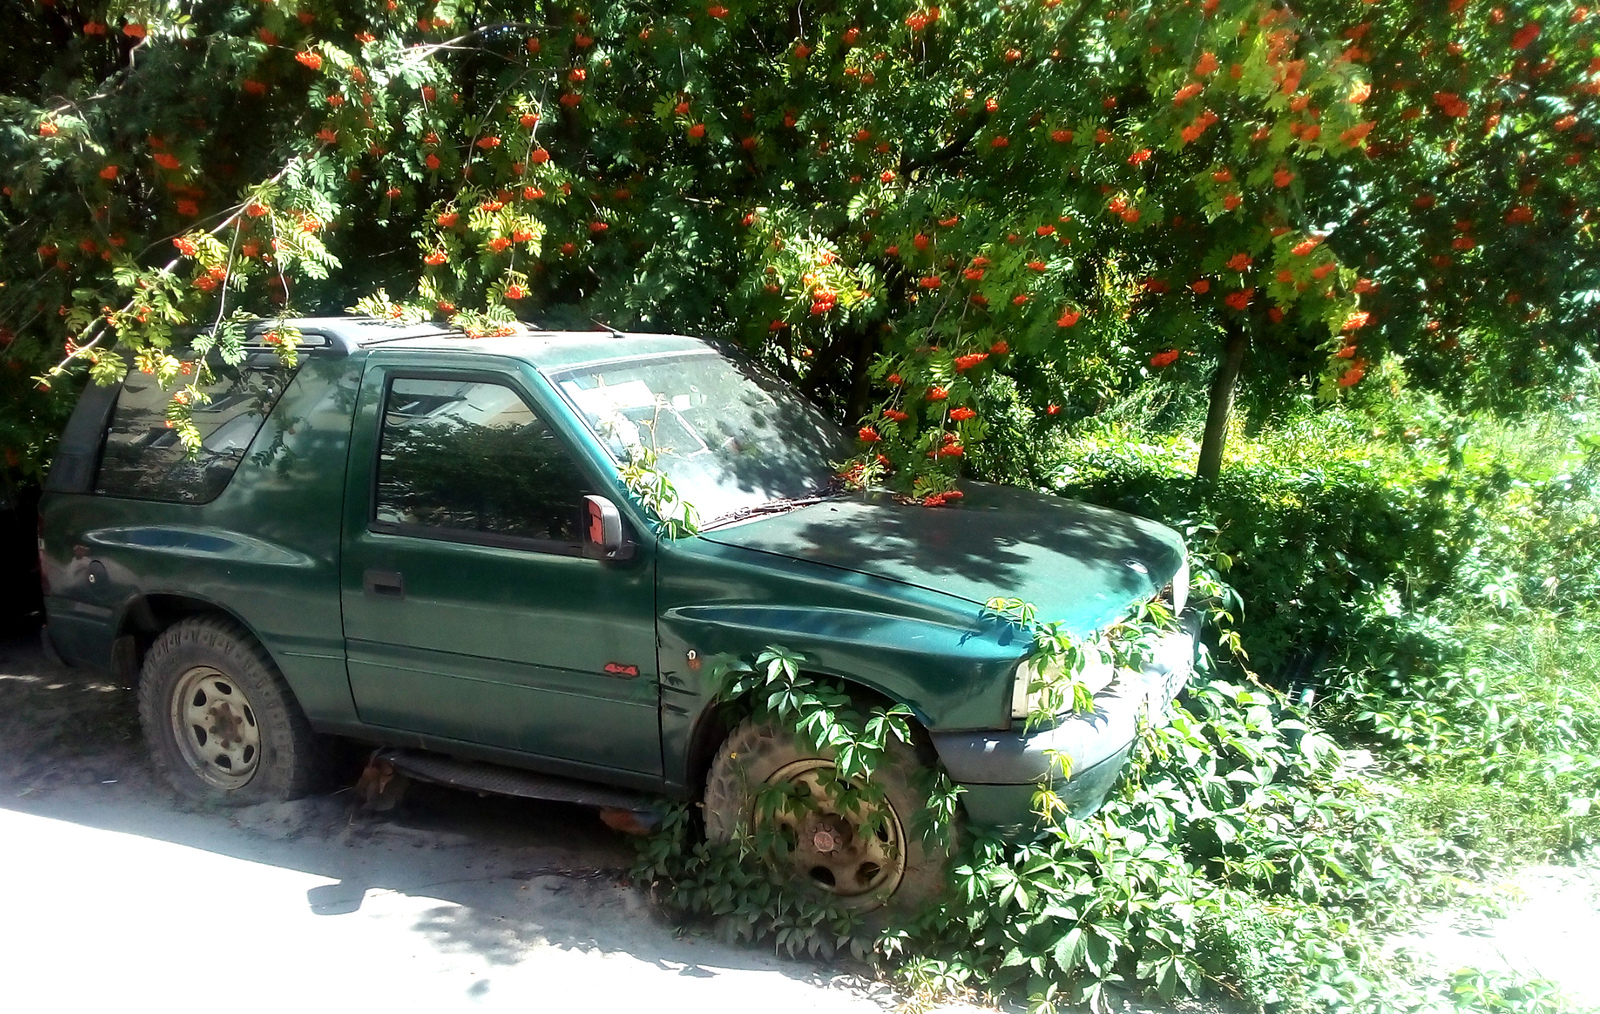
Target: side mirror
[603, 535]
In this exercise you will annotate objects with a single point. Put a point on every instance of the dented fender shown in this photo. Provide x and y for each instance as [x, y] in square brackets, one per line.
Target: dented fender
[937, 655]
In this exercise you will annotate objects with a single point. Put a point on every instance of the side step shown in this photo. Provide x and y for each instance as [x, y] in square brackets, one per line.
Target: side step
[503, 781]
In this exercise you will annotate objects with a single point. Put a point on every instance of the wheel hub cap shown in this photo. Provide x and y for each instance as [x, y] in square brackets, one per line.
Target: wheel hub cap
[854, 853]
[215, 728]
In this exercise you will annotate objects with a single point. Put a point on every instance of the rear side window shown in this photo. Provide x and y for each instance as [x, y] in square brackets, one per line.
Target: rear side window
[470, 459]
[143, 457]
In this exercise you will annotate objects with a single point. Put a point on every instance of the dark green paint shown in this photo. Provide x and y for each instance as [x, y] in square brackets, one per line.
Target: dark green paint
[1079, 564]
[502, 651]
[495, 645]
[266, 550]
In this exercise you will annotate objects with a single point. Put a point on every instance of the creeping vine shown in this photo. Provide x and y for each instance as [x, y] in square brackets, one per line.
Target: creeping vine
[652, 487]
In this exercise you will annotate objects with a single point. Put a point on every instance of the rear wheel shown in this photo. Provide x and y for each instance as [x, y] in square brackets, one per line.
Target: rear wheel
[220, 723]
[862, 857]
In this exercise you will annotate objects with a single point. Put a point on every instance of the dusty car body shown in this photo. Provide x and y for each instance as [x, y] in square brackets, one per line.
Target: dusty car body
[326, 517]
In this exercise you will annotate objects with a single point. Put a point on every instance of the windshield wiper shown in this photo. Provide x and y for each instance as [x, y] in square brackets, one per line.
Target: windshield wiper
[777, 506]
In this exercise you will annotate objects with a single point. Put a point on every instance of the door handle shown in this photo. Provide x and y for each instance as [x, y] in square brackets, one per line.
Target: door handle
[385, 583]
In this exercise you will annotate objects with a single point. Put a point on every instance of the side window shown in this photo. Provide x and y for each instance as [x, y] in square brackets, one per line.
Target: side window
[468, 456]
[143, 456]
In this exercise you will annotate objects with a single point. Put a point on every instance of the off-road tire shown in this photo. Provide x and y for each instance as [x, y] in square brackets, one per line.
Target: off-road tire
[753, 752]
[292, 756]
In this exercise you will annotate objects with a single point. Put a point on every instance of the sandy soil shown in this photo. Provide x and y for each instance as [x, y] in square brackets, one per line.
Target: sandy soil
[116, 892]
[1539, 922]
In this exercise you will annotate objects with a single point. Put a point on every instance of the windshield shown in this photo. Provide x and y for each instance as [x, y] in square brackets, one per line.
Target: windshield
[728, 435]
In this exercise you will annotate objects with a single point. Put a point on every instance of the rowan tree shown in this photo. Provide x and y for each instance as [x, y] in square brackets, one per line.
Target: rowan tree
[896, 205]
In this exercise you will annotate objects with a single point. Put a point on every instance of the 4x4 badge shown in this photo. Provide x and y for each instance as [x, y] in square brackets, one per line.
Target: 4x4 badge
[618, 669]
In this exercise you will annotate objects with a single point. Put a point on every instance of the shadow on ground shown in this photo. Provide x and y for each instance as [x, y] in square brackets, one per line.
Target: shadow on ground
[470, 884]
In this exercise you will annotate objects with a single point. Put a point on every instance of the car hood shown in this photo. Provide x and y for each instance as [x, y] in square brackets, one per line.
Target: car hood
[1078, 564]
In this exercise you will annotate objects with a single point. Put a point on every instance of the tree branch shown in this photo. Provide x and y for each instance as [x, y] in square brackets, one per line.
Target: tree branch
[909, 164]
[97, 331]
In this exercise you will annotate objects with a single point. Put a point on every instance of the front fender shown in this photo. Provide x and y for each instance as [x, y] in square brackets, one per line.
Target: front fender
[951, 678]
[936, 654]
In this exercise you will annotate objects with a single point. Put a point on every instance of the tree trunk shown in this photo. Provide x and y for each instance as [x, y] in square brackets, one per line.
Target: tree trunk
[1222, 385]
[860, 398]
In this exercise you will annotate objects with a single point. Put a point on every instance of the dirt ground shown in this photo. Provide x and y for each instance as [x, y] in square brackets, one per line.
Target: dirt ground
[1539, 922]
[114, 891]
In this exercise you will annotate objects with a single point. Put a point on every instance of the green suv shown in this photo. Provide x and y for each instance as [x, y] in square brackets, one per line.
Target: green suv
[422, 541]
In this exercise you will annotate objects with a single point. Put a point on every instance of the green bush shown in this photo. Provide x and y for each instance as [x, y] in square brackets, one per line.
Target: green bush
[1424, 577]
[1341, 533]
[1317, 551]
[1504, 746]
[1241, 855]
[1231, 818]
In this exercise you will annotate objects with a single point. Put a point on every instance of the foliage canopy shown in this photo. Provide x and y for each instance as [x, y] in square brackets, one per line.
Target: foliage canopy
[915, 200]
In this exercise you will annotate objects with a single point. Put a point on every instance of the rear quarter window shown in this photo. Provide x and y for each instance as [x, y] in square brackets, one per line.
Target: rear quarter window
[143, 457]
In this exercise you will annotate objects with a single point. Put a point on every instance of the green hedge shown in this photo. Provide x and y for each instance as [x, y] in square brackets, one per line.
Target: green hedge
[1342, 536]
[1431, 582]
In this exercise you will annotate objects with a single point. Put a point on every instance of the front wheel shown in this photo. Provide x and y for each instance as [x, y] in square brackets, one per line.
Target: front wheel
[220, 723]
[862, 857]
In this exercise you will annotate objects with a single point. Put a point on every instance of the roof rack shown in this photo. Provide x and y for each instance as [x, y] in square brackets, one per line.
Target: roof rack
[344, 335]
[310, 337]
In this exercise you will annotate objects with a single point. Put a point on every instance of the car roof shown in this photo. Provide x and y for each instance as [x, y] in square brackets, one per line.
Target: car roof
[546, 349]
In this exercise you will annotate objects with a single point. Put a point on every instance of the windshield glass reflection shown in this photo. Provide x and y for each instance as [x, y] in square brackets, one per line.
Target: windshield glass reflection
[728, 435]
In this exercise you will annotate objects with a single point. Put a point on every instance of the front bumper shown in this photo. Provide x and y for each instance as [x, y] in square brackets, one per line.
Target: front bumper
[1000, 770]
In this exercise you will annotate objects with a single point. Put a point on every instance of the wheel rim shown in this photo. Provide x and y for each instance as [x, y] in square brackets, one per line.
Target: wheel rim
[831, 849]
[215, 727]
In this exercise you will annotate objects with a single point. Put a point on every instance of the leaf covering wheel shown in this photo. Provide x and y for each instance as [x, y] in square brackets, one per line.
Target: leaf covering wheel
[860, 855]
[220, 723]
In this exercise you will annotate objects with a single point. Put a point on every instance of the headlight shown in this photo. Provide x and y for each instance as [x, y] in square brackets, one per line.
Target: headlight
[1050, 691]
[1180, 587]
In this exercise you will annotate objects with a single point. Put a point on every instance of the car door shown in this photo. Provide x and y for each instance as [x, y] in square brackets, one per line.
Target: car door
[471, 613]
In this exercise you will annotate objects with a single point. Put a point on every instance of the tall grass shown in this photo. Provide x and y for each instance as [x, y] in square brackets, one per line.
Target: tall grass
[1432, 577]
[1516, 774]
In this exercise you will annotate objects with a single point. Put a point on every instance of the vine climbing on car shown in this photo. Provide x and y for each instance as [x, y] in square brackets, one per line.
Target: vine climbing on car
[676, 517]
[1238, 855]
[735, 884]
